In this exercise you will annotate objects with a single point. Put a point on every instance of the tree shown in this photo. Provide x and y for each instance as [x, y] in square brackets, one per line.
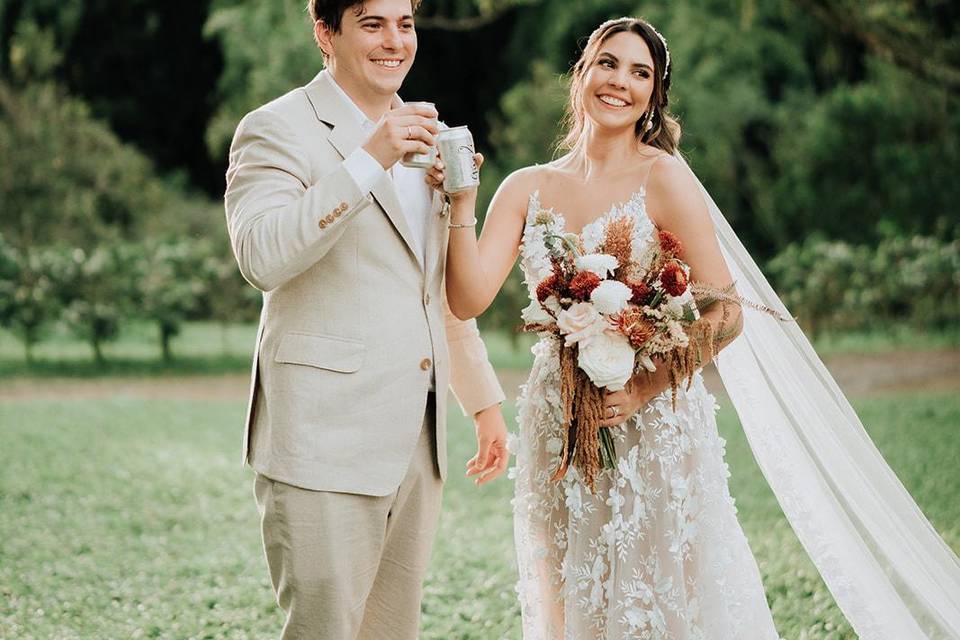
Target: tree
[922, 37]
[171, 285]
[94, 288]
[28, 300]
[73, 181]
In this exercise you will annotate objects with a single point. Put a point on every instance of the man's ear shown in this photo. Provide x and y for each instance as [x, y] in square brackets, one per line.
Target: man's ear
[323, 35]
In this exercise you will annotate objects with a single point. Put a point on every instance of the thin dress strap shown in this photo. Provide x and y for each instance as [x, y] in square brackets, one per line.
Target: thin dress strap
[649, 168]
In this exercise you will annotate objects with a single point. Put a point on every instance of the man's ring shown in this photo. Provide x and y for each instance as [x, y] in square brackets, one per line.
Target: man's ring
[409, 133]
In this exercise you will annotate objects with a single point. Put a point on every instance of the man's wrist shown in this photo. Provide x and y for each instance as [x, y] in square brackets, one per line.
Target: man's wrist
[364, 168]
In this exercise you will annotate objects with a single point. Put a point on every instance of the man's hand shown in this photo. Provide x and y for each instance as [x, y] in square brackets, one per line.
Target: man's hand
[492, 456]
[409, 129]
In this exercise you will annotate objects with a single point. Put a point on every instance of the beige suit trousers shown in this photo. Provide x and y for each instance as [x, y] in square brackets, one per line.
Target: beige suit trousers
[348, 566]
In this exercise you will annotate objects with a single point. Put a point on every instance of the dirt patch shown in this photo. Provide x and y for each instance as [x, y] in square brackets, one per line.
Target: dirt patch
[856, 375]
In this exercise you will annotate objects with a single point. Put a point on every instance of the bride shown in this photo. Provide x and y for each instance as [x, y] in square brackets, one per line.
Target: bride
[655, 550]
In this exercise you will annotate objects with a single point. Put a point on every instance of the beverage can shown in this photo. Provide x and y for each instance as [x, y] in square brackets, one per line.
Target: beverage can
[421, 160]
[460, 171]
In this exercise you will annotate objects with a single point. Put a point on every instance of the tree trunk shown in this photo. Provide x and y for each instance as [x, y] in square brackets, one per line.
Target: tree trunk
[97, 351]
[28, 342]
[166, 333]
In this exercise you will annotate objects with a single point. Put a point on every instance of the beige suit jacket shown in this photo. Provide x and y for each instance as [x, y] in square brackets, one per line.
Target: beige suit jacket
[353, 327]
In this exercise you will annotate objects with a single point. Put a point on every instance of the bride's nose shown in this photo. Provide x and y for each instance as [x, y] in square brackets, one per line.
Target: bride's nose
[617, 79]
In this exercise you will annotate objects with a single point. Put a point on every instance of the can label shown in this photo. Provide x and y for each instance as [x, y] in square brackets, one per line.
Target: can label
[460, 171]
[421, 160]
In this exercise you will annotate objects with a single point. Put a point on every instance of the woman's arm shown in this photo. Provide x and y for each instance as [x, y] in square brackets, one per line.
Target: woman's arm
[477, 269]
[676, 204]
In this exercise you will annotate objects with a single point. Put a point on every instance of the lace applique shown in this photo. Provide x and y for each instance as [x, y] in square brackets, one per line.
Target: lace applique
[657, 552]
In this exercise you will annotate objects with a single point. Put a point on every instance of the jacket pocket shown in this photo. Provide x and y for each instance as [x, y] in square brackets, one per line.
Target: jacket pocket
[344, 355]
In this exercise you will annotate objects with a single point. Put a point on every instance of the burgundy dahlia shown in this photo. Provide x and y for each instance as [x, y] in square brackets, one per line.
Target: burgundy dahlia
[583, 284]
[670, 244]
[641, 292]
[673, 278]
[548, 287]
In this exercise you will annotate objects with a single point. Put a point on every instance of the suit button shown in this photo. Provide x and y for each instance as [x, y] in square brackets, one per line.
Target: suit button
[323, 224]
[425, 364]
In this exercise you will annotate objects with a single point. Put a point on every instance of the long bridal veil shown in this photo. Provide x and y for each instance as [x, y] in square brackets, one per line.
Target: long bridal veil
[889, 571]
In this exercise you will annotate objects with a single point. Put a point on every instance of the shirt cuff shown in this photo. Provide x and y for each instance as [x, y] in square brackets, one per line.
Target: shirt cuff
[364, 170]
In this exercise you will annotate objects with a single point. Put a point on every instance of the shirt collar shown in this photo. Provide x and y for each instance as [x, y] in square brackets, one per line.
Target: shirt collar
[358, 113]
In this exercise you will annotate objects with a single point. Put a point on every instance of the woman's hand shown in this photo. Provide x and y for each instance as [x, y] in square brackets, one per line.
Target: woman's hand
[435, 180]
[619, 406]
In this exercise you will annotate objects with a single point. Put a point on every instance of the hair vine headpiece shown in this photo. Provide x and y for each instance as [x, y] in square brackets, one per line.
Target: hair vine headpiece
[666, 66]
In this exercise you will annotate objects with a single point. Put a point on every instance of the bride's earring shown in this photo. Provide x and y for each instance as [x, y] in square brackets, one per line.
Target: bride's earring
[649, 124]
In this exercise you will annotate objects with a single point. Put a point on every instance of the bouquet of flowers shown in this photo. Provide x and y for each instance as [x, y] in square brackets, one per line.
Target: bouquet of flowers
[618, 315]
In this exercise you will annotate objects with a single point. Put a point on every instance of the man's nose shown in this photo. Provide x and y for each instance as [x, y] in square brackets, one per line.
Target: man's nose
[391, 37]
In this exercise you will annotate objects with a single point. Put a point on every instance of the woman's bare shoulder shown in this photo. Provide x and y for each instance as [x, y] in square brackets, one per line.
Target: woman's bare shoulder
[521, 183]
[674, 193]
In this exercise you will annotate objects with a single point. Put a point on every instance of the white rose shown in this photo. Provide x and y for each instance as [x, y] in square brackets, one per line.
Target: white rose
[552, 304]
[607, 359]
[599, 263]
[581, 321]
[611, 296]
[534, 313]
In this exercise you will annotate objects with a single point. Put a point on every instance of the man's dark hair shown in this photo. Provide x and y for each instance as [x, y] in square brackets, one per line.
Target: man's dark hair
[331, 11]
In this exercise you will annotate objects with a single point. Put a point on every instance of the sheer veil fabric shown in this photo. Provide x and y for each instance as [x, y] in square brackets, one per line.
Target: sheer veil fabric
[889, 571]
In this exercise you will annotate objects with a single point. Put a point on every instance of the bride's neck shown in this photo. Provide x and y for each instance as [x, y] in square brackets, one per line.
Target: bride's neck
[605, 153]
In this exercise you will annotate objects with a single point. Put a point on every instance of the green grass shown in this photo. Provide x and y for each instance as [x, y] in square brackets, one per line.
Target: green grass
[127, 518]
[206, 347]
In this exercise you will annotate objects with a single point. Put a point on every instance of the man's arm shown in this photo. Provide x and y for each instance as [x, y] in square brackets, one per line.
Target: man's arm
[279, 223]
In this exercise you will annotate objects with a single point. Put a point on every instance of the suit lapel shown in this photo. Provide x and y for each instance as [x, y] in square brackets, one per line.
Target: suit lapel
[436, 234]
[346, 136]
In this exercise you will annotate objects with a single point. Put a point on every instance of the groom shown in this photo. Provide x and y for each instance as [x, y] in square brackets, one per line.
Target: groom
[346, 423]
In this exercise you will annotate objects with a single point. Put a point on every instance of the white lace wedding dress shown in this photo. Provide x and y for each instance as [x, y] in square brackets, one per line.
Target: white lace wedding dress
[657, 552]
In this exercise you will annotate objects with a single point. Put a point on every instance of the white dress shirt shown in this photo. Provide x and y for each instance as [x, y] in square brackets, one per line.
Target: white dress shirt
[410, 183]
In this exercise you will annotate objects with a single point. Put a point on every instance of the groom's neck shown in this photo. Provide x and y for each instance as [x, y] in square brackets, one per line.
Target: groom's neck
[373, 103]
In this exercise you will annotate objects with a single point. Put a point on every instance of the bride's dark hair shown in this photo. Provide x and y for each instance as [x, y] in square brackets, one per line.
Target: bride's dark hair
[665, 132]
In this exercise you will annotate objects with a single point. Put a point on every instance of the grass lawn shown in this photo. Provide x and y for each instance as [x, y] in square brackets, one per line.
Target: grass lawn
[208, 347]
[127, 518]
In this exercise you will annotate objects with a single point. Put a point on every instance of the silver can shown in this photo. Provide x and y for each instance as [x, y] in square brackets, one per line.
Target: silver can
[460, 171]
[421, 160]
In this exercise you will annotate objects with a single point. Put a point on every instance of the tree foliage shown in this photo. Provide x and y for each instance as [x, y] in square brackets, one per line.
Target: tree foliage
[828, 131]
